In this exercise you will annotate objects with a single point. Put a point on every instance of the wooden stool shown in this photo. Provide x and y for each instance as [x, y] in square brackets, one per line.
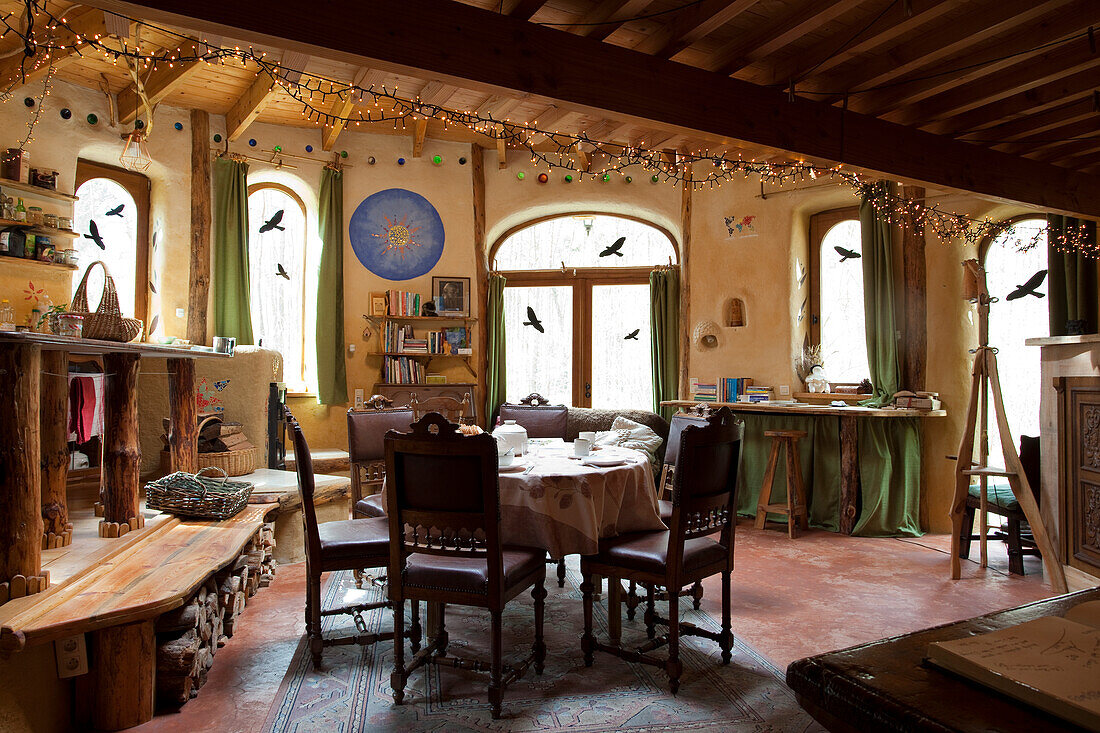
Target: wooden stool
[795, 505]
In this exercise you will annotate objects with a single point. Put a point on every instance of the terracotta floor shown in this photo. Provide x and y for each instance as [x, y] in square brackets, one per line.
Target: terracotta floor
[792, 598]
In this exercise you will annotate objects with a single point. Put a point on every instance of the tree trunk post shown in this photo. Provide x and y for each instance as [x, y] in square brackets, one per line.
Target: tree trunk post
[54, 412]
[121, 448]
[183, 433]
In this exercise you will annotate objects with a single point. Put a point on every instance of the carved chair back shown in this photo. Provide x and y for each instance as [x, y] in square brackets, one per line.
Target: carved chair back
[304, 466]
[442, 496]
[537, 416]
[704, 485]
[676, 427]
[459, 411]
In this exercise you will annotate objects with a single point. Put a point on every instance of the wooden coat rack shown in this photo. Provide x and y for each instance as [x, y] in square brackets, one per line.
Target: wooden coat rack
[985, 387]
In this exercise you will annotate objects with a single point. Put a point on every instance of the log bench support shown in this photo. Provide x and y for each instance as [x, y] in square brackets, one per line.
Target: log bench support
[183, 428]
[121, 482]
[57, 530]
[21, 473]
[122, 666]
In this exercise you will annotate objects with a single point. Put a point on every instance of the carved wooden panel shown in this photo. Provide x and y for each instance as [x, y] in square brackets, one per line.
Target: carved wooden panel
[1079, 442]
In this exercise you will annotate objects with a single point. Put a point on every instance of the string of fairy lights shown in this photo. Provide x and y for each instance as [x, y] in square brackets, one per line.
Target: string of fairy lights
[323, 101]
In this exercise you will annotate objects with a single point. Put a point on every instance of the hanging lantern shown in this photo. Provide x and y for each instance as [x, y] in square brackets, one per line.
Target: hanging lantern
[135, 153]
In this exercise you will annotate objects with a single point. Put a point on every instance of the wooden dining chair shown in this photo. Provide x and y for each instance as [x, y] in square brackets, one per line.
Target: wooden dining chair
[703, 503]
[366, 429]
[349, 544]
[455, 410]
[537, 416]
[676, 427]
[445, 548]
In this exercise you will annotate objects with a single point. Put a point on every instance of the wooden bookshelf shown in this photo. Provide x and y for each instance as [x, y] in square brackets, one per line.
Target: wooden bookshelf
[6, 183]
[32, 263]
[39, 229]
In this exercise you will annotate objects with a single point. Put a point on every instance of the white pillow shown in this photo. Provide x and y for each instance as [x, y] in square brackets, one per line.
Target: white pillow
[630, 434]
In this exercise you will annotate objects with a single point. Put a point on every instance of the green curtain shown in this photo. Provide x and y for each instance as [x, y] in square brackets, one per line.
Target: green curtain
[495, 383]
[232, 316]
[1071, 276]
[664, 332]
[889, 477]
[332, 383]
[878, 299]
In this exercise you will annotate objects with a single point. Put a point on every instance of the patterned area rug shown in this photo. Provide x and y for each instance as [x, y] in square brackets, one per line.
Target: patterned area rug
[351, 692]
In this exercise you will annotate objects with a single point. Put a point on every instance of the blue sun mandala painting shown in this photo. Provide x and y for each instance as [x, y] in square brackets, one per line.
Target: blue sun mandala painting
[396, 234]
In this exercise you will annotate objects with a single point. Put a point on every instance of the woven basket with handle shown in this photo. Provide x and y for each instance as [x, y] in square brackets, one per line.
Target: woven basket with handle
[107, 322]
[195, 495]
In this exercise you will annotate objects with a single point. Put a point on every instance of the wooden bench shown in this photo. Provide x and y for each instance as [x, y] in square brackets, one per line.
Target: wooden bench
[119, 600]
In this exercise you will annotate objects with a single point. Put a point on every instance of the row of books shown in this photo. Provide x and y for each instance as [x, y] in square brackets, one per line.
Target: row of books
[728, 389]
[401, 303]
[402, 370]
[399, 339]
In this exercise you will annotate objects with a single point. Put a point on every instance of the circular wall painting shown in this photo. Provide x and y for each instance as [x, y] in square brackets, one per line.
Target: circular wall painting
[396, 234]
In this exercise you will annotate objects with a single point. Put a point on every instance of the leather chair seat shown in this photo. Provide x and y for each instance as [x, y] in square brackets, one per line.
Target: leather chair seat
[352, 540]
[470, 575]
[664, 508]
[646, 551]
[370, 506]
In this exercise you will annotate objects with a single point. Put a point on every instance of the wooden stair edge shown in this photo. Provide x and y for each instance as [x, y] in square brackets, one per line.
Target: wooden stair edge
[19, 633]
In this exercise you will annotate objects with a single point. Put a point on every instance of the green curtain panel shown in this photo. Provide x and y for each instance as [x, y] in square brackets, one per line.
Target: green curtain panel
[889, 477]
[332, 383]
[664, 331]
[878, 300]
[232, 315]
[1072, 299]
[495, 383]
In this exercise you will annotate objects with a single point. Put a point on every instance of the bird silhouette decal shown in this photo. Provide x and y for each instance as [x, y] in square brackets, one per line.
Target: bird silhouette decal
[847, 254]
[632, 335]
[117, 211]
[282, 272]
[93, 234]
[614, 249]
[273, 223]
[1028, 288]
[533, 320]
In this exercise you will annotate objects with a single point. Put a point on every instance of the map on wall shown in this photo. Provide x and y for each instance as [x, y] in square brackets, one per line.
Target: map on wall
[396, 234]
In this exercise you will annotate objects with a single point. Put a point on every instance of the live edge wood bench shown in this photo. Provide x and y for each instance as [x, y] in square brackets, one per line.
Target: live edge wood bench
[156, 612]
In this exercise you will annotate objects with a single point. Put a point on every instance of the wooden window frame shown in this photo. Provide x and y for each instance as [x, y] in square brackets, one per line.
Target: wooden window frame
[820, 225]
[252, 188]
[138, 186]
[581, 280]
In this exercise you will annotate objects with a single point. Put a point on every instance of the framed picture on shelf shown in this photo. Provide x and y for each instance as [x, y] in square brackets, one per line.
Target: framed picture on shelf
[378, 304]
[451, 295]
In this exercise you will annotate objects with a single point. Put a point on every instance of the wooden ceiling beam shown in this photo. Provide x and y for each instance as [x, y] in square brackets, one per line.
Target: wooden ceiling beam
[628, 9]
[1037, 124]
[800, 20]
[249, 105]
[1067, 151]
[932, 44]
[1031, 72]
[606, 13]
[436, 92]
[20, 70]
[1028, 102]
[988, 61]
[691, 24]
[342, 109]
[1039, 141]
[833, 52]
[420, 128]
[483, 51]
[499, 105]
[160, 83]
[526, 9]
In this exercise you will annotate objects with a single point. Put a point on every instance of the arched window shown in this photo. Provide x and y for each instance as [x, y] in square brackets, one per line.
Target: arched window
[1009, 260]
[577, 308]
[277, 276]
[116, 201]
[838, 323]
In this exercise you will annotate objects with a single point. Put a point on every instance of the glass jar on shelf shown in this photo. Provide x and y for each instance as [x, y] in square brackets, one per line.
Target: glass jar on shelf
[34, 216]
[7, 315]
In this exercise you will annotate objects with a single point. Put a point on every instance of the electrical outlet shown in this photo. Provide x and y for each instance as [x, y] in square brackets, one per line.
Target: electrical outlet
[180, 312]
[358, 398]
[72, 656]
[784, 390]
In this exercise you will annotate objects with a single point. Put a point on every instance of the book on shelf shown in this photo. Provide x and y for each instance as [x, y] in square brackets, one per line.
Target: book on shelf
[1051, 663]
[917, 400]
[401, 303]
[457, 338]
[402, 370]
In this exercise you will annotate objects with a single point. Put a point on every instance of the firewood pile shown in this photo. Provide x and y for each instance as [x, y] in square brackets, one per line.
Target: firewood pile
[215, 435]
[188, 637]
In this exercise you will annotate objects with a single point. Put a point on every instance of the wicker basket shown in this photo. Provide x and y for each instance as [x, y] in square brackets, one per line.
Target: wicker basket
[233, 462]
[107, 322]
[195, 495]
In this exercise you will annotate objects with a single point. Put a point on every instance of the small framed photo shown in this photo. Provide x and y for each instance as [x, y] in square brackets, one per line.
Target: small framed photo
[378, 304]
[451, 295]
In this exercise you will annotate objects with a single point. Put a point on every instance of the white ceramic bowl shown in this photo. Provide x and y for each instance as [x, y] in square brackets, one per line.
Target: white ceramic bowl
[505, 459]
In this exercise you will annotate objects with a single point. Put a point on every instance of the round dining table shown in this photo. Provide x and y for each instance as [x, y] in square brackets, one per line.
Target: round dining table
[551, 499]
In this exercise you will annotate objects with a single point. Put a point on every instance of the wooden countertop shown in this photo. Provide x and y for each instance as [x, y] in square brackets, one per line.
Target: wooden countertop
[1081, 339]
[772, 408]
[50, 342]
[148, 578]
